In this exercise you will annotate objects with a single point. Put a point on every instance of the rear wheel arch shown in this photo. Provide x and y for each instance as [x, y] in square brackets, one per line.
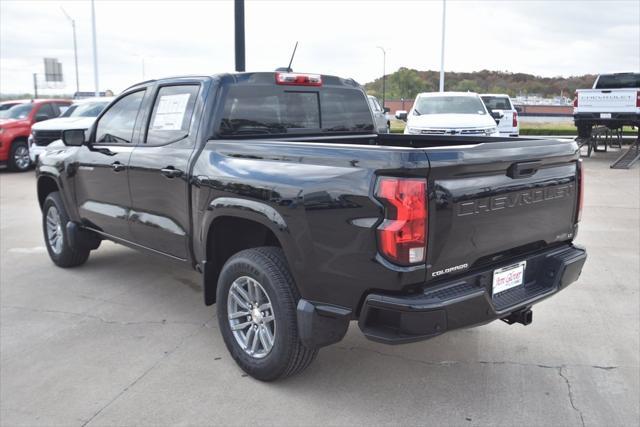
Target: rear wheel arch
[226, 236]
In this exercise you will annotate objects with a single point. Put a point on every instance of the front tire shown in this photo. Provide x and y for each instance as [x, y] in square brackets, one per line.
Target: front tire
[19, 160]
[257, 300]
[54, 224]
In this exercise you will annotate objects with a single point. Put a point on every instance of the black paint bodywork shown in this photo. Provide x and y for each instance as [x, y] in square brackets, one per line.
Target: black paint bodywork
[314, 194]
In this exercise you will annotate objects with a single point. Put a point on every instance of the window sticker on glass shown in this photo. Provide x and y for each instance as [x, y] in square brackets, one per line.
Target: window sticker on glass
[170, 112]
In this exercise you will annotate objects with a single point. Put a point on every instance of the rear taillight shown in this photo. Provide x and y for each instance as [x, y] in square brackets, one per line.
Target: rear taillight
[514, 123]
[638, 99]
[402, 236]
[575, 100]
[297, 79]
[580, 190]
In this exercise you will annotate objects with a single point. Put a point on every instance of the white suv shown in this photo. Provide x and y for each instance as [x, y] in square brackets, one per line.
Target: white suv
[80, 115]
[501, 103]
[450, 113]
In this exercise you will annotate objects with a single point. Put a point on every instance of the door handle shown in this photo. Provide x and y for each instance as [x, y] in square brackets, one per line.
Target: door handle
[171, 172]
[117, 166]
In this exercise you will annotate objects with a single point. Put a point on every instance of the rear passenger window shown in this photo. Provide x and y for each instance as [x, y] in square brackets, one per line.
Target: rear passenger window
[116, 125]
[172, 113]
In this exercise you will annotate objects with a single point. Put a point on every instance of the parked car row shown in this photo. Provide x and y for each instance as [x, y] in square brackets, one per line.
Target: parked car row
[461, 113]
[16, 119]
[20, 118]
[80, 115]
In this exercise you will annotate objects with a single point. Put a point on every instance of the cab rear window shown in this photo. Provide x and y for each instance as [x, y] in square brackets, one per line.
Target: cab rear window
[497, 102]
[258, 110]
[618, 81]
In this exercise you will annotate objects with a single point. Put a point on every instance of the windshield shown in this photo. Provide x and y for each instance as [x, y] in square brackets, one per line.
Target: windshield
[68, 111]
[89, 109]
[449, 105]
[4, 108]
[618, 81]
[497, 102]
[20, 111]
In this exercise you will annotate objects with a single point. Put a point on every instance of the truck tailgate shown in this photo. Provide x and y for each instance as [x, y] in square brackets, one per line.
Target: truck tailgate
[493, 201]
[606, 100]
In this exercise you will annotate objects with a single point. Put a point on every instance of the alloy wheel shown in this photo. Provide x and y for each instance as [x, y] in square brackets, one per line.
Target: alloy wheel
[251, 317]
[54, 230]
[21, 157]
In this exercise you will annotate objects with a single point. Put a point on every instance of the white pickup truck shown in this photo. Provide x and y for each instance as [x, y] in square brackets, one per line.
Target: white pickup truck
[614, 102]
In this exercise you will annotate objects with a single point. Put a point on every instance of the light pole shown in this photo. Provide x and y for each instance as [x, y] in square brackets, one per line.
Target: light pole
[444, 14]
[142, 59]
[75, 47]
[239, 35]
[95, 49]
[384, 74]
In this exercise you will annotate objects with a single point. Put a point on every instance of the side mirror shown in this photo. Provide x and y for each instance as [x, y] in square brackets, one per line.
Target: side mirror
[41, 117]
[386, 109]
[497, 116]
[402, 116]
[73, 137]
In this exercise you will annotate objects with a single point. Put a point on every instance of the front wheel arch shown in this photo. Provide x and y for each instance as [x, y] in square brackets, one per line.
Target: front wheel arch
[46, 186]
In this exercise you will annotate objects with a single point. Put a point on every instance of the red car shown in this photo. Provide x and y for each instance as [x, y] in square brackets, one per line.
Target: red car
[16, 119]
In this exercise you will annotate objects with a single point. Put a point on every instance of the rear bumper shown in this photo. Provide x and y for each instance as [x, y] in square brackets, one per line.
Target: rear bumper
[631, 119]
[467, 301]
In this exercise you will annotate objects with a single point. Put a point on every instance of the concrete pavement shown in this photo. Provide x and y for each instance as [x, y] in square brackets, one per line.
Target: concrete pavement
[126, 340]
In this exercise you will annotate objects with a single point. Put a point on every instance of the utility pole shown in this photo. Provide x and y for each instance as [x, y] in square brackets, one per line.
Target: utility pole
[444, 14]
[95, 49]
[239, 34]
[35, 85]
[75, 47]
[384, 74]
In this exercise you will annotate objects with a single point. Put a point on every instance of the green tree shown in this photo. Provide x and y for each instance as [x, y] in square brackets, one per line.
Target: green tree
[466, 85]
[405, 83]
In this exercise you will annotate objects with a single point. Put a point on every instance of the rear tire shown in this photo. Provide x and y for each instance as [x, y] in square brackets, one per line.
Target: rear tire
[56, 238]
[277, 299]
[19, 160]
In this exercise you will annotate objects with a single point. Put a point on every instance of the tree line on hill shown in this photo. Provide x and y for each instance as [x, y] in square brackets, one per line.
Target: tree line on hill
[406, 83]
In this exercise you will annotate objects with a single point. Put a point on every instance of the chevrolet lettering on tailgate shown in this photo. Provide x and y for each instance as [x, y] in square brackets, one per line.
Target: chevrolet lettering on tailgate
[511, 200]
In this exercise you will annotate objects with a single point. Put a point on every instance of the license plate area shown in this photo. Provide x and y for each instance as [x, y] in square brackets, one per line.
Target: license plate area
[508, 277]
[605, 115]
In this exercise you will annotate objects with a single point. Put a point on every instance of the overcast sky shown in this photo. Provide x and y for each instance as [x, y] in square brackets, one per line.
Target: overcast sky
[547, 38]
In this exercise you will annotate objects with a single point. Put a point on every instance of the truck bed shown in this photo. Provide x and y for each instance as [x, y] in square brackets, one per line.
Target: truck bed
[489, 199]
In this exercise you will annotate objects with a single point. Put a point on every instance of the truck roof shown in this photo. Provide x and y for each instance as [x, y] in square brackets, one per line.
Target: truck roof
[430, 94]
[252, 77]
[35, 101]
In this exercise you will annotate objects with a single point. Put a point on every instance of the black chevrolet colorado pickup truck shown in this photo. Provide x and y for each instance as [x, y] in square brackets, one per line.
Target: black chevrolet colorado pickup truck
[301, 219]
